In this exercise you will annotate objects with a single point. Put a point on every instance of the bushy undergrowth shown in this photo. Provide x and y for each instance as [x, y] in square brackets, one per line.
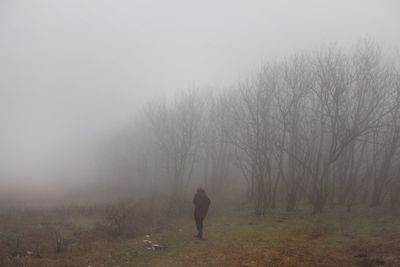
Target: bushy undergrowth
[42, 233]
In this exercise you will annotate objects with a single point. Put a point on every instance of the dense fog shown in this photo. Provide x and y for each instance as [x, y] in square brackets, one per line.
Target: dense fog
[108, 99]
[199, 133]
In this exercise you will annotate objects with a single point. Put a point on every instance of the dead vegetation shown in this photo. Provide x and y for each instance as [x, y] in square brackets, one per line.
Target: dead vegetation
[381, 254]
[233, 238]
[41, 234]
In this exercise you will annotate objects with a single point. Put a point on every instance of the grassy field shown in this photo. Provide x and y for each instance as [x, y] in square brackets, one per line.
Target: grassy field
[235, 237]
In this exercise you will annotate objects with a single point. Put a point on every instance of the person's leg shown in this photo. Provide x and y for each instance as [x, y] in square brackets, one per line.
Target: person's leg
[200, 228]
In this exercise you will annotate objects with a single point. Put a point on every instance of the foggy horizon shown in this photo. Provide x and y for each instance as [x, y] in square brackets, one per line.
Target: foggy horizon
[73, 73]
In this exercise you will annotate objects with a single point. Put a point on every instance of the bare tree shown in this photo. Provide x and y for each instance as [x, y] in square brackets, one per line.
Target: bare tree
[176, 131]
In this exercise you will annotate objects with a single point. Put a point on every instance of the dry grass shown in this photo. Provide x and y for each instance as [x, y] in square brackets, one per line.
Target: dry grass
[236, 238]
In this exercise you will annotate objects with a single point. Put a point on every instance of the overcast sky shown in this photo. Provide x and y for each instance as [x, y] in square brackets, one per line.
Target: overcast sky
[72, 71]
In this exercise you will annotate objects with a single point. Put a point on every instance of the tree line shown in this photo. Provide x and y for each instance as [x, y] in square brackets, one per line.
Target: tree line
[321, 127]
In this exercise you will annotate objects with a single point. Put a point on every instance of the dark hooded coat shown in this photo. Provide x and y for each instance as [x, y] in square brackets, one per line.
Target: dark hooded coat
[201, 203]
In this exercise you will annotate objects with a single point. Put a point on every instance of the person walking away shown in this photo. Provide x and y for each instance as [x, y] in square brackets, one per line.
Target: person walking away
[201, 204]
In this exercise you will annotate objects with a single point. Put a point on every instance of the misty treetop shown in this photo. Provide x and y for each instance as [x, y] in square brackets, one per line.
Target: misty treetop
[321, 127]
